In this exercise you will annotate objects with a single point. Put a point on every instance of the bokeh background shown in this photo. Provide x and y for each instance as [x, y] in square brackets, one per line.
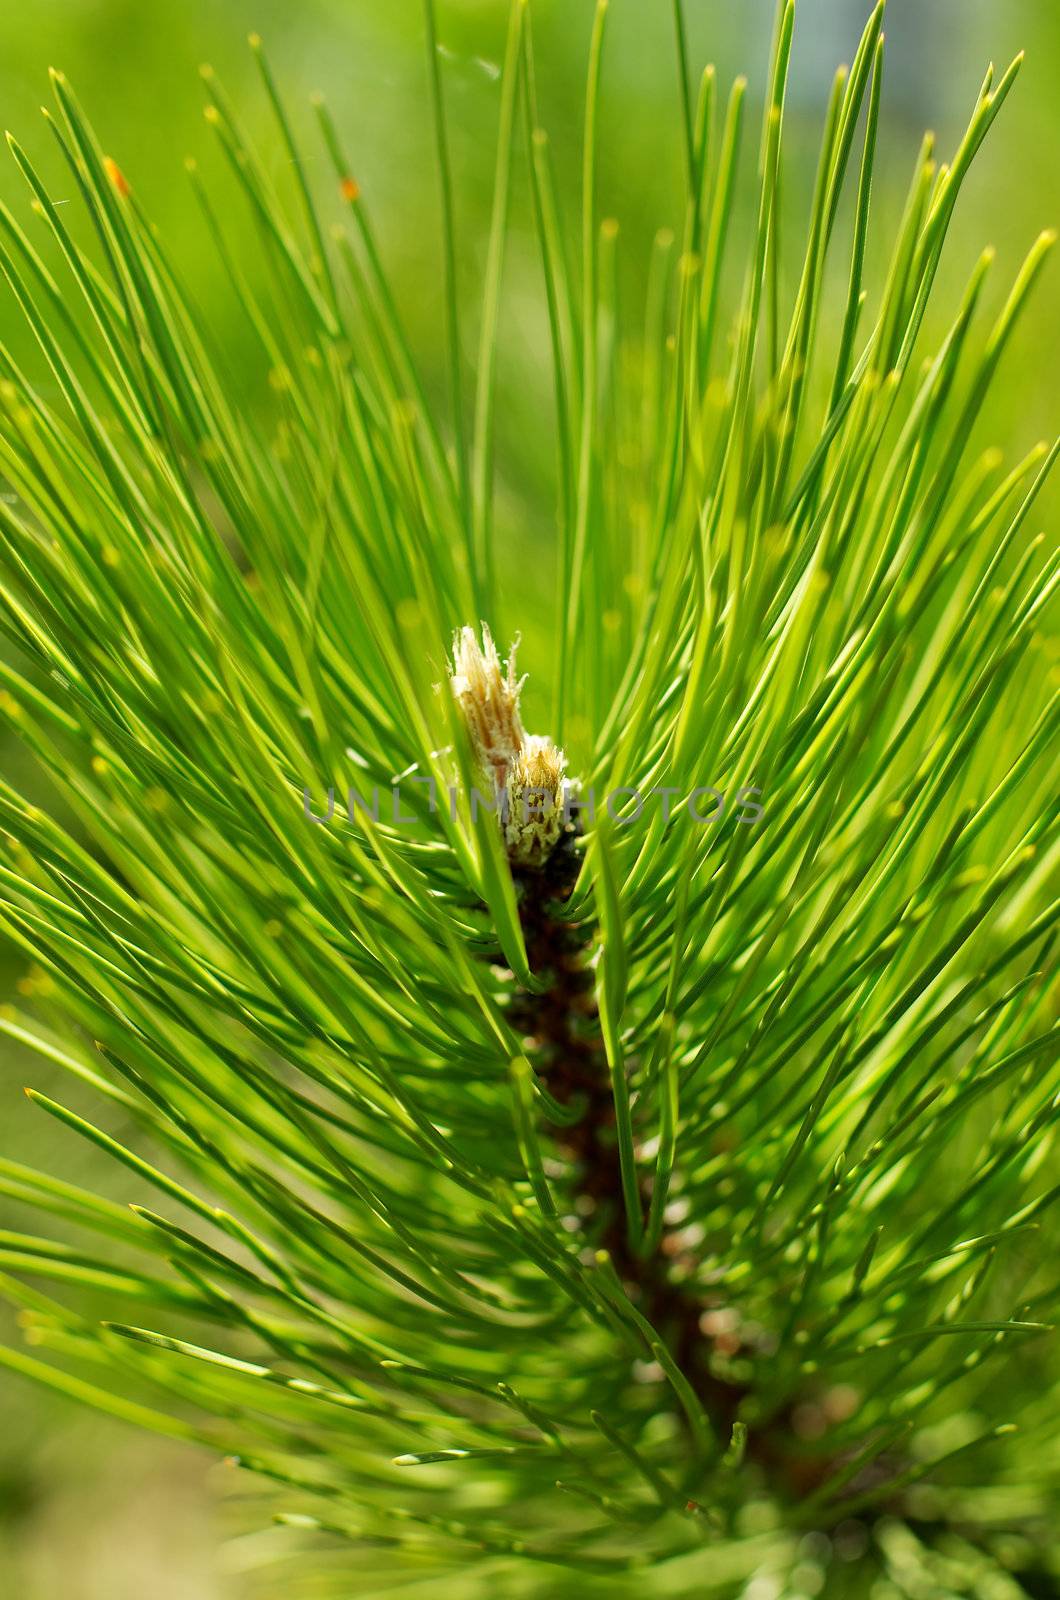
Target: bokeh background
[89, 1511]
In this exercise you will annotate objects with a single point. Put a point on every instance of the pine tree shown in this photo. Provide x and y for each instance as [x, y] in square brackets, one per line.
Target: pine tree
[616, 1156]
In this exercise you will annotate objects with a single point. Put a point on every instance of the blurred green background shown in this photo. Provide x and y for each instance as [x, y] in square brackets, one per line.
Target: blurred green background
[87, 1510]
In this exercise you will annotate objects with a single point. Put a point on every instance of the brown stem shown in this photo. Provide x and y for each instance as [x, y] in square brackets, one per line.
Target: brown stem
[563, 1024]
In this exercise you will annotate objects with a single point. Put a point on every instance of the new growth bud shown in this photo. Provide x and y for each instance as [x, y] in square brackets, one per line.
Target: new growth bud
[489, 699]
[535, 813]
[526, 770]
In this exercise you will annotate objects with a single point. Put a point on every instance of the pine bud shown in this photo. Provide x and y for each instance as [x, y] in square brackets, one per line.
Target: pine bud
[526, 770]
[535, 802]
